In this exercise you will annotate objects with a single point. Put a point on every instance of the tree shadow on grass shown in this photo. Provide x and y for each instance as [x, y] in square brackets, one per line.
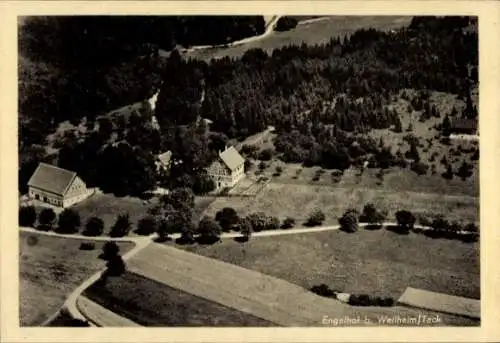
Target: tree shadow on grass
[241, 239]
[373, 227]
[207, 240]
[162, 239]
[184, 241]
[397, 229]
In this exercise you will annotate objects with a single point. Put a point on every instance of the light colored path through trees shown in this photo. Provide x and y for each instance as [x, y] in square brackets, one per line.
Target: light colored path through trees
[270, 25]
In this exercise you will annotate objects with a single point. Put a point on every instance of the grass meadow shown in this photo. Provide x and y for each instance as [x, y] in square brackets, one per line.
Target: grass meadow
[317, 32]
[50, 268]
[377, 262]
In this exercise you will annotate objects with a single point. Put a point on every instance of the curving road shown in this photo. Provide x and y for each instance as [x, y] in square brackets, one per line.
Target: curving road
[72, 304]
[269, 29]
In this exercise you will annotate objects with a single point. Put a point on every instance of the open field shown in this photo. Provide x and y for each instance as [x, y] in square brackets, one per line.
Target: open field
[107, 207]
[377, 262]
[441, 302]
[152, 303]
[261, 295]
[297, 201]
[50, 268]
[394, 179]
[317, 32]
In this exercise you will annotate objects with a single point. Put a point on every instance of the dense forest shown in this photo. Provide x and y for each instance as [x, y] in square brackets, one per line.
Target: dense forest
[75, 66]
[321, 99]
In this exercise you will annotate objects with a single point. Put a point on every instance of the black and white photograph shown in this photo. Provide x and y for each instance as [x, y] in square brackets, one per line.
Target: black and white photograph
[258, 171]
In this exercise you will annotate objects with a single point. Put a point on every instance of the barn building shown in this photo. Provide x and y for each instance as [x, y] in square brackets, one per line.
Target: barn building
[228, 169]
[464, 126]
[56, 186]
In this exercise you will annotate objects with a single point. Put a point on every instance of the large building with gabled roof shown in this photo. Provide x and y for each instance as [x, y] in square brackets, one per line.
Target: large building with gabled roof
[228, 169]
[56, 186]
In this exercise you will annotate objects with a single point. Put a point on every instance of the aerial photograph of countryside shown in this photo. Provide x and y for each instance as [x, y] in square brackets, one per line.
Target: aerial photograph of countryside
[248, 171]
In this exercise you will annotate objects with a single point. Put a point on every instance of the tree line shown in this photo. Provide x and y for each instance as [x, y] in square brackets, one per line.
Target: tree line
[175, 214]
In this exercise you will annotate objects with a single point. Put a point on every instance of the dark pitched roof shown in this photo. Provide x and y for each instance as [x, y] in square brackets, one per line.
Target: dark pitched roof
[231, 158]
[464, 124]
[51, 178]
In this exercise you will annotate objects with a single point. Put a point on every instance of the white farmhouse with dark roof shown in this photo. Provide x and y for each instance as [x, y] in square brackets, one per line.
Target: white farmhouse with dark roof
[228, 169]
[56, 186]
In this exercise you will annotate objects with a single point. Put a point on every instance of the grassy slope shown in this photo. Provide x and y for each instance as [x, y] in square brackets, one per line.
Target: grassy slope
[107, 207]
[313, 33]
[151, 303]
[374, 262]
[50, 270]
[298, 201]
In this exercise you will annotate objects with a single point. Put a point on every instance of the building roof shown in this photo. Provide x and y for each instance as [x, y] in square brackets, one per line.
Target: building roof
[464, 124]
[51, 179]
[231, 158]
[165, 157]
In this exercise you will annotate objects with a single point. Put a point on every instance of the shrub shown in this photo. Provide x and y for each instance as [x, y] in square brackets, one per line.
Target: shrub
[272, 223]
[257, 221]
[227, 218]
[386, 302]
[425, 219]
[109, 250]
[475, 155]
[266, 154]
[262, 166]
[203, 184]
[323, 290]
[286, 23]
[187, 234]
[349, 220]
[47, 218]
[370, 214]
[209, 231]
[405, 220]
[288, 223]
[115, 266]
[317, 217]
[146, 226]
[419, 167]
[87, 246]
[440, 224]
[245, 229]
[69, 221]
[121, 227]
[249, 150]
[464, 171]
[248, 165]
[94, 227]
[27, 216]
[448, 174]
[471, 227]
[359, 300]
